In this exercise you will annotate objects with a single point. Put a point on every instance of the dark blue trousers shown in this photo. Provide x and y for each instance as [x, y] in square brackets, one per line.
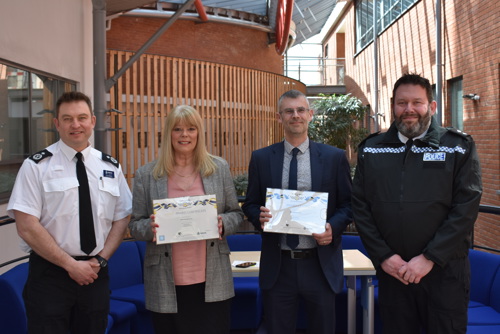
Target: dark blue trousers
[437, 305]
[299, 278]
[56, 304]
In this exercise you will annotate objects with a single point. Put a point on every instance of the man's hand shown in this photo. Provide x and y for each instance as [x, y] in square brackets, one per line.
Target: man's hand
[83, 272]
[393, 265]
[324, 238]
[265, 216]
[416, 269]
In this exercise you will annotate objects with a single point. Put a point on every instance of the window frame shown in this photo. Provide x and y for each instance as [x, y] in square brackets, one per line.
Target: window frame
[386, 17]
[28, 90]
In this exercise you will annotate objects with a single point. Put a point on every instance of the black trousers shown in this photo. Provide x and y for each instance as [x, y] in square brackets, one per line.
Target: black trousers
[194, 315]
[437, 305]
[56, 304]
[299, 278]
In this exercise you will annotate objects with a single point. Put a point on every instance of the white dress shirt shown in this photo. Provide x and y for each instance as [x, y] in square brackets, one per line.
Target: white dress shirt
[47, 188]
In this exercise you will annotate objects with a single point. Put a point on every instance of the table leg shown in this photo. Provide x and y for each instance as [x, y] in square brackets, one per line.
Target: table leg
[368, 304]
[351, 304]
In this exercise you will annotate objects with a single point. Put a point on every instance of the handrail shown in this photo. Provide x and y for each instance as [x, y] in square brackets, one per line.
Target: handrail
[5, 220]
[489, 209]
[14, 261]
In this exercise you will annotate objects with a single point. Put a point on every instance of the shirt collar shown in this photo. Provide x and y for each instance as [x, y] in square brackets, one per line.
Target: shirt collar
[302, 147]
[70, 152]
[404, 139]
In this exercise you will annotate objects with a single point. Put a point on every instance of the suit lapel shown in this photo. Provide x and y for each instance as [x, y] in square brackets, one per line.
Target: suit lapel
[276, 165]
[208, 185]
[316, 166]
[161, 188]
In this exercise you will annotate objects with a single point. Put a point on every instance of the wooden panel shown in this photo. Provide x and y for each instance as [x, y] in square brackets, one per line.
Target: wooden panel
[238, 106]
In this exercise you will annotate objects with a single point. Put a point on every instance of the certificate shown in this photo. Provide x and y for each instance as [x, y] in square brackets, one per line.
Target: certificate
[186, 219]
[296, 212]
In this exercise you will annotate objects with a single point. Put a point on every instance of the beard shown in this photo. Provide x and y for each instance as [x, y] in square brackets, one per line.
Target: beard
[415, 129]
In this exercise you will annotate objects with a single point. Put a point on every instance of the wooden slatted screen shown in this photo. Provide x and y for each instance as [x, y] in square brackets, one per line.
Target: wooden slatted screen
[238, 106]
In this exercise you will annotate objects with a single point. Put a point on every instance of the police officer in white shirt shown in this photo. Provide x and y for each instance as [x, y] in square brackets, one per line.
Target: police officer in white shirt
[68, 288]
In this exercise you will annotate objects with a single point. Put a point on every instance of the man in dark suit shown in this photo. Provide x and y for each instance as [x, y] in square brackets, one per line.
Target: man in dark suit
[313, 268]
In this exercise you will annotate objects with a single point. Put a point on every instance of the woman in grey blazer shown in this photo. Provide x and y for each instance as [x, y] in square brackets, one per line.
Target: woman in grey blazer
[188, 285]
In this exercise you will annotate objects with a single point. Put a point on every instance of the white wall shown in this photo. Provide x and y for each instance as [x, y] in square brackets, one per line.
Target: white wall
[53, 36]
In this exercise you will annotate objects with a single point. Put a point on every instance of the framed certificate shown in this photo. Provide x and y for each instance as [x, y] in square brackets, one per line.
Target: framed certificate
[186, 219]
[296, 212]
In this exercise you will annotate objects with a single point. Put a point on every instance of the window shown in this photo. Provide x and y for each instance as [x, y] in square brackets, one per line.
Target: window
[388, 11]
[456, 103]
[364, 23]
[27, 104]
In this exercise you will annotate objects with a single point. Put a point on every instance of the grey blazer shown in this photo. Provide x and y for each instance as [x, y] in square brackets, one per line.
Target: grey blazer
[158, 277]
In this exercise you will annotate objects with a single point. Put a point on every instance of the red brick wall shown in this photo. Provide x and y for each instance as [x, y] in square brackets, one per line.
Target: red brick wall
[470, 49]
[214, 42]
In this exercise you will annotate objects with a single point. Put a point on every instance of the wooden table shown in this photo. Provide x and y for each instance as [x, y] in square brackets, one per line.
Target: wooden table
[355, 264]
[252, 256]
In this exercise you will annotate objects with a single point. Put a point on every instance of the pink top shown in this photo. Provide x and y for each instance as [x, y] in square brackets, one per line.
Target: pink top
[189, 259]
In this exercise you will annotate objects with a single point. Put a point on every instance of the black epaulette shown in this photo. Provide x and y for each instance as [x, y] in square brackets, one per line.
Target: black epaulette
[110, 159]
[39, 156]
[362, 143]
[459, 133]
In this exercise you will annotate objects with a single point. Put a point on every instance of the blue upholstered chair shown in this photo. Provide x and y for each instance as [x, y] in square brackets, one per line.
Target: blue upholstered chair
[484, 305]
[127, 284]
[244, 242]
[12, 313]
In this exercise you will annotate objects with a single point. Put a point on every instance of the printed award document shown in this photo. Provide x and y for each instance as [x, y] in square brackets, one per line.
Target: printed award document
[296, 212]
[186, 219]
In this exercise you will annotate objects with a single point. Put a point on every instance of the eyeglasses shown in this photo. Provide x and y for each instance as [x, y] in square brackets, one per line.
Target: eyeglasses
[290, 111]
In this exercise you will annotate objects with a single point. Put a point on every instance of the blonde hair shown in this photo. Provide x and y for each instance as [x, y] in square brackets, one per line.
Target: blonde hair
[203, 161]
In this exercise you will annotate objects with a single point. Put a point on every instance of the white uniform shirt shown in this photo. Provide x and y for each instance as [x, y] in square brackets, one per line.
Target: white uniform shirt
[48, 190]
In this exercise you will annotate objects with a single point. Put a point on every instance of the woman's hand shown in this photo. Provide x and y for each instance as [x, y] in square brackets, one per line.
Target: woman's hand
[220, 225]
[154, 225]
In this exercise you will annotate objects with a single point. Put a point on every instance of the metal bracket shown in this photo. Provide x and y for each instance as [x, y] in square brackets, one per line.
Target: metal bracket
[114, 110]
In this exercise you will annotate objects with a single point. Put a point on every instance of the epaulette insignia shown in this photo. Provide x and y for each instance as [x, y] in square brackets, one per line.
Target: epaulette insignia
[110, 159]
[458, 132]
[39, 156]
[368, 137]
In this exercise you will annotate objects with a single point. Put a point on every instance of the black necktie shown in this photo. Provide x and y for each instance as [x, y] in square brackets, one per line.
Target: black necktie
[292, 240]
[87, 233]
[408, 146]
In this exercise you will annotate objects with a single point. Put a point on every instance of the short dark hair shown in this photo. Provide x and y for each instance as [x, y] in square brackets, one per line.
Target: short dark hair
[414, 79]
[69, 97]
[291, 94]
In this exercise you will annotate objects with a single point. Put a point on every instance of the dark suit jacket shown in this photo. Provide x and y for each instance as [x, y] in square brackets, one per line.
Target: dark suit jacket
[330, 173]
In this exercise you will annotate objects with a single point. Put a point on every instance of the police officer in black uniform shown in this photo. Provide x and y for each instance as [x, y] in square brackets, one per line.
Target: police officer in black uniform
[416, 196]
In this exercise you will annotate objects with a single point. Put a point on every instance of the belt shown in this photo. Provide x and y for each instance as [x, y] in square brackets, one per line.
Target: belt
[299, 254]
[82, 258]
[78, 258]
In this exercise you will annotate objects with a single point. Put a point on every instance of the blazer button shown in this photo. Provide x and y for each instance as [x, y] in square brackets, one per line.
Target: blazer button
[212, 244]
[166, 254]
